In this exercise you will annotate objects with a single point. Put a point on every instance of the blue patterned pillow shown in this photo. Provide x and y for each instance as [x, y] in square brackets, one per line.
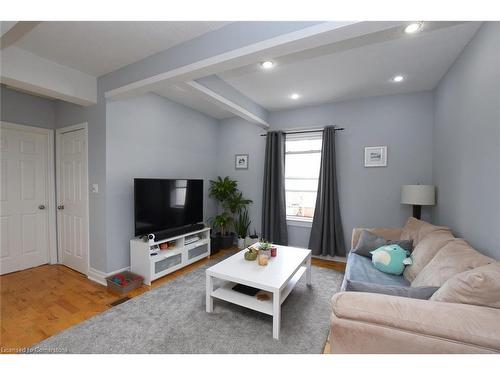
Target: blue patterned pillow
[390, 259]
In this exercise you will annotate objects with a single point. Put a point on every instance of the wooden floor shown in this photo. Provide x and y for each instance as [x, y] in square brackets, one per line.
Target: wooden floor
[39, 302]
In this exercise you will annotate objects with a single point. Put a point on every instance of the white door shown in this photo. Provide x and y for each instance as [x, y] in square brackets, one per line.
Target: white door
[72, 197]
[24, 207]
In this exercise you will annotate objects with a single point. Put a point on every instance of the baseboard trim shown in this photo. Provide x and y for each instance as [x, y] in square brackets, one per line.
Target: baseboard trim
[335, 258]
[100, 277]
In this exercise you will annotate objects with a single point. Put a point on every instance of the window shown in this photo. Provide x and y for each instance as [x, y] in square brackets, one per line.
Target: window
[302, 163]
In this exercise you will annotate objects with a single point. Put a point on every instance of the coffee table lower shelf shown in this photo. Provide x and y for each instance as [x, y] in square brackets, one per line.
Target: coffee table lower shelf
[226, 293]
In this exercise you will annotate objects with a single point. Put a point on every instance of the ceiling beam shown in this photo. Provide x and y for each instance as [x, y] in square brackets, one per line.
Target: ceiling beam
[26, 71]
[11, 33]
[221, 87]
[227, 104]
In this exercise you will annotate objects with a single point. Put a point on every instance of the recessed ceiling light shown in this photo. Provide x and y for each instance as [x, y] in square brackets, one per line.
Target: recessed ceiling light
[267, 64]
[414, 27]
[294, 96]
[398, 78]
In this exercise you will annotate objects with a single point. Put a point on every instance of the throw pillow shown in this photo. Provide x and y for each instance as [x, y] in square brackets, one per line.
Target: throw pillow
[455, 257]
[426, 249]
[369, 241]
[479, 286]
[390, 259]
[416, 230]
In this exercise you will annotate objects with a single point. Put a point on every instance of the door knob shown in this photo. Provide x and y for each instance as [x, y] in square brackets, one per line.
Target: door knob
[60, 207]
[41, 207]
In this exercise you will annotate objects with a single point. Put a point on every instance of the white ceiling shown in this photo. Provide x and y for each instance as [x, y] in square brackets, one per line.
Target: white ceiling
[349, 69]
[354, 73]
[108, 45]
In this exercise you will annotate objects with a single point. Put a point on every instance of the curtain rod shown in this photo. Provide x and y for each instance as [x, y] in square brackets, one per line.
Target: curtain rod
[300, 131]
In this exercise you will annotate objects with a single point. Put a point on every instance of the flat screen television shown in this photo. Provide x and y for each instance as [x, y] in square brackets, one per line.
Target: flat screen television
[161, 204]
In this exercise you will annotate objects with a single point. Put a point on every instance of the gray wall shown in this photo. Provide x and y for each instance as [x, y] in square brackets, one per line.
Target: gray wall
[467, 143]
[150, 136]
[238, 136]
[25, 109]
[368, 196]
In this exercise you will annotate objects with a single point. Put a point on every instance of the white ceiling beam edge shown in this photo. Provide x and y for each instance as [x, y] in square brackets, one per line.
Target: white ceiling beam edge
[226, 104]
[221, 87]
[11, 33]
[309, 37]
[26, 71]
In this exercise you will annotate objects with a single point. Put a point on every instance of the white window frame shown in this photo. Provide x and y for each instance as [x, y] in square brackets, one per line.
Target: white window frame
[298, 220]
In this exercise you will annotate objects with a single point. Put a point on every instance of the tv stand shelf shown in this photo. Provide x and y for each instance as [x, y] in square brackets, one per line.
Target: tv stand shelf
[152, 267]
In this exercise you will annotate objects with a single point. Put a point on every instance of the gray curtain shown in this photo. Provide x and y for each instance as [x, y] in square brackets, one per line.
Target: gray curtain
[327, 237]
[273, 198]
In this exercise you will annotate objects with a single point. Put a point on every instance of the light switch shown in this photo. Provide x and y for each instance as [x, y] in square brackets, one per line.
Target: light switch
[95, 188]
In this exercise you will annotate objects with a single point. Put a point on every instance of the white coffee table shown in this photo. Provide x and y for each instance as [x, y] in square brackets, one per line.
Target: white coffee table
[279, 277]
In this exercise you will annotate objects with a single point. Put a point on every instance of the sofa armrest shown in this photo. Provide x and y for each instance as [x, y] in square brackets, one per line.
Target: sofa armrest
[387, 233]
[408, 325]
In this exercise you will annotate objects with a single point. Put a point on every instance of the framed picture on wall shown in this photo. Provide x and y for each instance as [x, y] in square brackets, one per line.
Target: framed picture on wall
[375, 156]
[241, 161]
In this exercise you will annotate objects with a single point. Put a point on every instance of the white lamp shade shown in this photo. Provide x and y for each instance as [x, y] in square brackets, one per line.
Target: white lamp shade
[423, 195]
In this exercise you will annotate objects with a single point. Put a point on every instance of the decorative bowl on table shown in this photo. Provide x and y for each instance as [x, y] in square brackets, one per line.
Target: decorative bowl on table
[250, 255]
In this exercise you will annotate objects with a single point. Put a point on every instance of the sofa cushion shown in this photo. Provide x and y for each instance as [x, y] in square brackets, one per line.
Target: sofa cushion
[424, 292]
[451, 323]
[479, 286]
[390, 259]
[426, 249]
[416, 230]
[360, 268]
[455, 257]
[369, 241]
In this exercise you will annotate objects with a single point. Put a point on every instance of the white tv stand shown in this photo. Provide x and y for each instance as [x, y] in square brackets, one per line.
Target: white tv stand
[152, 267]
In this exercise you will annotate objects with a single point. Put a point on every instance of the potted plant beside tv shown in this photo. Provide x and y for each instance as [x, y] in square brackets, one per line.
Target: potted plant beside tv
[222, 189]
[237, 205]
[241, 225]
[231, 202]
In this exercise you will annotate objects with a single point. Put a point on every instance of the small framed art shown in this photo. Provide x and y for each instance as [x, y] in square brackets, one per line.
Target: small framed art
[241, 161]
[376, 156]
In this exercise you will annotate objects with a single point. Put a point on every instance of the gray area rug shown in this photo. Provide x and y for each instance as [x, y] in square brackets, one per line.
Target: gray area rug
[172, 319]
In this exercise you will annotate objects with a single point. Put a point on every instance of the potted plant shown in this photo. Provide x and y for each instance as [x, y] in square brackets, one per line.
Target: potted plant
[221, 190]
[265, 247]
[237, 203]
[231, 203]
[241, 226]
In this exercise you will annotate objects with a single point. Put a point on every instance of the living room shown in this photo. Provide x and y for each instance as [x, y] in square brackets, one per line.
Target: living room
[251, 187]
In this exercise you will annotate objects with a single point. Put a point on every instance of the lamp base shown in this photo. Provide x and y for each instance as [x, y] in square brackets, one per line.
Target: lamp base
[417, 210]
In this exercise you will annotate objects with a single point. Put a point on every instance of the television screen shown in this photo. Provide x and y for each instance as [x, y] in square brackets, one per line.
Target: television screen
[166, 204]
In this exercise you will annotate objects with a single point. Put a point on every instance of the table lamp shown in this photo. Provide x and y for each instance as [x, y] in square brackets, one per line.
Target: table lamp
[418, 196]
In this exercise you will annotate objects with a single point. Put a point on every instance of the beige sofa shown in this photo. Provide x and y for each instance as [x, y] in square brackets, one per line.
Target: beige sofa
[378, 323]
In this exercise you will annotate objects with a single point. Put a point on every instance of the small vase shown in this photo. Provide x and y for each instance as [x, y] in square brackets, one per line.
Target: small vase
[263, 257]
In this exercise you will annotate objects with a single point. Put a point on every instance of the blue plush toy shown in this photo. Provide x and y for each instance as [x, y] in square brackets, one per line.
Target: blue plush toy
[390, 259]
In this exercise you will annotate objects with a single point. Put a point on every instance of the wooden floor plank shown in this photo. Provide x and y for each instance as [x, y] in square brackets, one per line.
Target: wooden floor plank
[40, 302]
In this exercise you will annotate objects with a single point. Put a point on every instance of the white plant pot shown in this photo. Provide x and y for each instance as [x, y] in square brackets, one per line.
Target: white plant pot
[241, 243]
